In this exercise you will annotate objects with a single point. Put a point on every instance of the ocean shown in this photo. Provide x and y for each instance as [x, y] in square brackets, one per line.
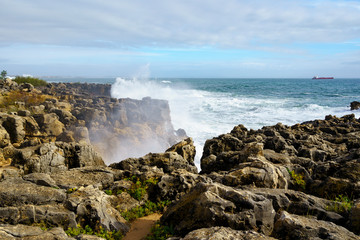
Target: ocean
[208, 107]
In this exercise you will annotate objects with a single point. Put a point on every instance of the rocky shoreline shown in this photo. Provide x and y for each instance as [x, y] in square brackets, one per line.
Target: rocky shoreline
[62, 172]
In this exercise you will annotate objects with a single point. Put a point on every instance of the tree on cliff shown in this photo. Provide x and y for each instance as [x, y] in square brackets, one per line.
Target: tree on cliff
[3, 74]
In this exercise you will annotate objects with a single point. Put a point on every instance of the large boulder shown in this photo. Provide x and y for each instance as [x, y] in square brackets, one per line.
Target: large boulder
[77, 177]
[93, 207]
[210, 205]
[31, 233]
[225, 233]
[53, 157]
[17, 192]
[15, 126]
[354, 105]
[289, 226]
[50, 124]
[186, 149]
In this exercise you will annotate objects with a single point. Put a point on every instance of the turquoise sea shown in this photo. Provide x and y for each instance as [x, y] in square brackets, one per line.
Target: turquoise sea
[207, 107]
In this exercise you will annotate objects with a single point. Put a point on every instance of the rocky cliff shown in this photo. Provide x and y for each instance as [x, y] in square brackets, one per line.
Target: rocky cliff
[279, 182]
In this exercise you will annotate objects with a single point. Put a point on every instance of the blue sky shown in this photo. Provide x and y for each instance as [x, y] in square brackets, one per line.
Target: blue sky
[181, 38]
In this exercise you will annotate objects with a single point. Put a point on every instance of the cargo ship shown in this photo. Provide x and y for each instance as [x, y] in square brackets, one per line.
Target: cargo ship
[316, 77]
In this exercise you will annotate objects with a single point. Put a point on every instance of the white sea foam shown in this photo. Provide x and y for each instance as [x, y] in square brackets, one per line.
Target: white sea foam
[205, 115]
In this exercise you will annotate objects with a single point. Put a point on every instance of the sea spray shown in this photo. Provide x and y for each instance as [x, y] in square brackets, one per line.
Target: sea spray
[206, 108]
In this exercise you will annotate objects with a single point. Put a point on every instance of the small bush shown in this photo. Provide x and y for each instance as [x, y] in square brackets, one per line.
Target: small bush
[29, 98]
[144, 210]
[101, 232]
[34, 81]
[159, 232]
[341, 204]
[298, 179]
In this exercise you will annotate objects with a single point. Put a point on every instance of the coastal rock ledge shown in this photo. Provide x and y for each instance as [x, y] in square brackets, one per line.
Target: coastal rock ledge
[278, 182]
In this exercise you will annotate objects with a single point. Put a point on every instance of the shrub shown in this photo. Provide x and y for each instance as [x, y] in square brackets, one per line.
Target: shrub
[101, 232]
[29, 98]
[159, 232]
[341, 204]
[34, 81]
[298, 179]
[144, 210]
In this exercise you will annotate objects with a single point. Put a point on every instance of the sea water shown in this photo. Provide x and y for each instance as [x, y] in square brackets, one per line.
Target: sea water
[208, 107]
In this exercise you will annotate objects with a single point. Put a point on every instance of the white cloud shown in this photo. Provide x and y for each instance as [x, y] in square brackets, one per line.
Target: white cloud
[231, 23]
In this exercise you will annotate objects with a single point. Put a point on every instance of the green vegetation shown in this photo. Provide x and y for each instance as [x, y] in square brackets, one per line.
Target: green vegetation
[298, 179]
[3, 74]
[14, 99]
[138, 188]
[72, 232]
[71, 190]
[159, 232]
[144, 210]
[341, 204]
[34, 81]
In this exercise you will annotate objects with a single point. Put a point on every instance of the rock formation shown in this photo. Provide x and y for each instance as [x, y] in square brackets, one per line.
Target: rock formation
[278, 182]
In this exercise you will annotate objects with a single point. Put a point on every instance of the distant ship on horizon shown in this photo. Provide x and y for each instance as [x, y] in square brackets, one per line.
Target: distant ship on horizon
[316, 77]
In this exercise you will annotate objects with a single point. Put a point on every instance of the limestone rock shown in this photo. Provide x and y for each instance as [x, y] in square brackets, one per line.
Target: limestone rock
[78, 177]
[175, 184]
[289, 226]
[16, 192]
[31, 233]
[168, 161]
[186, 149]
[93, 207]
[15, 126]
[210, 205]
[225, 233]
[50, 124]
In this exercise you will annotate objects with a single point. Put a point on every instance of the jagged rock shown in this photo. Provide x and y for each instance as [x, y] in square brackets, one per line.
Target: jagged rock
[289, 226]
[64, 116]
[53, 157]
[210, 205]
[168, 161]
[49, 215]
[258, 172]
[225, 233]
[49, 123]
[225, 160]
[31, 233]
[41, 179]
[354, 105]
[43, 159]
[15, 126]
[186, 149]
[4, 137]
[175, 184]
[77, 177]
[17, 192]
[93, 207]
[301, 204]
[80, 154]
[125, 202]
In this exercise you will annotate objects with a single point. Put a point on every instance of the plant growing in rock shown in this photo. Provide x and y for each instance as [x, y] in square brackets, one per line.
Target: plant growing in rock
[13, 98]
[144, 210]
[101, 232]
[341, 204]
[160, 232]
[34, 81]
[298, 179]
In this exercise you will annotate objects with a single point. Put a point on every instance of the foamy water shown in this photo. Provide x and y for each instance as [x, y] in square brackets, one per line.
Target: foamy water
[206, 108]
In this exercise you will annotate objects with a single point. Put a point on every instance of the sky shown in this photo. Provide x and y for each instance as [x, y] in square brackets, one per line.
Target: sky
[181, 38]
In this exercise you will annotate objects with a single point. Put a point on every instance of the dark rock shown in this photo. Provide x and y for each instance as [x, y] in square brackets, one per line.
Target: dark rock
[31, 233]
[17, 192]
[225, 233]
[288, 226]
[93, 207]
[99, 177]
[210, 205]
[354, 105]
